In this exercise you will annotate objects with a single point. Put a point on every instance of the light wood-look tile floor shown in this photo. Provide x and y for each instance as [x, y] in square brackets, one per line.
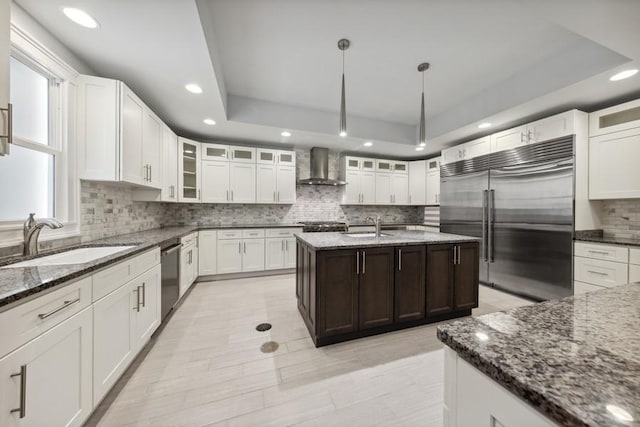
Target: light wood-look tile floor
[206, 367]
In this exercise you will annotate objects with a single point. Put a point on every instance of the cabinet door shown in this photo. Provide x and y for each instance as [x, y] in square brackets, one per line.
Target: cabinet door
[169, 165]
[550, 127]
[194, 263]
[266, 183]
[57, 367]
[400, 189]
[133, 110]
[242, 154]
[5, 17]
[467, 277]
[266, 157]
[113, 338]
[189, 171]
[274, 254]
[215, 182]
[368, 187]
[410, 283]
[477, 147]
[253, 255]
[433, 187]
[290, 252]
[440, 279]
[352, 192]
[186, 262]
[375, 299]
[287, 158]
[418, 183]
[509, 138]
[147, 292]
[215, 152]
[383, 189]
[352, 163]
[613, 165]
[286, 193]
[338, 304]
[207, 249]
[242, 182]
[451, 155]
[151, 149]
[229, 256]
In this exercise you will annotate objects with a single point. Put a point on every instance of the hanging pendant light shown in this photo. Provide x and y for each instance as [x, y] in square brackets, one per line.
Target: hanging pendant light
[422, 138]
[343, 44]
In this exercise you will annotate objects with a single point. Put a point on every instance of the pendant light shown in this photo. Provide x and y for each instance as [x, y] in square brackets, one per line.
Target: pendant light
[422, 138]
[343, 44]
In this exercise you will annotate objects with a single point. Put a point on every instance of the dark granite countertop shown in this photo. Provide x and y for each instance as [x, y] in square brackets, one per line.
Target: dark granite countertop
[609, 239]
[328, 241]
[575, 360]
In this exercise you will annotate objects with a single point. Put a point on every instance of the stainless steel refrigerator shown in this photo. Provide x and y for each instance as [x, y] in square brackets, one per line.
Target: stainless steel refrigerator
[520, 202]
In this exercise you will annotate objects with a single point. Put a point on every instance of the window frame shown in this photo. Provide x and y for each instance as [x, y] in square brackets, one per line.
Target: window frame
[62, 138]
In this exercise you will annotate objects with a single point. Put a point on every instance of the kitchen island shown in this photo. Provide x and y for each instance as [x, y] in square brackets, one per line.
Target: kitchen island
[570, 362]
[350, 285]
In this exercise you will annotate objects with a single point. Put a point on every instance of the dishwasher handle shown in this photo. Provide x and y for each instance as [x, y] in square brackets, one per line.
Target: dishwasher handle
[171, 249]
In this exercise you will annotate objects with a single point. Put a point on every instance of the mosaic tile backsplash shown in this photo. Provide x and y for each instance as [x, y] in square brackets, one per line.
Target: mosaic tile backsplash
[621, 218]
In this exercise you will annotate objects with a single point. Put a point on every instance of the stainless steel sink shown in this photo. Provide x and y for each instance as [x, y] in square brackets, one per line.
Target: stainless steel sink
[73, 256]
[364, 234]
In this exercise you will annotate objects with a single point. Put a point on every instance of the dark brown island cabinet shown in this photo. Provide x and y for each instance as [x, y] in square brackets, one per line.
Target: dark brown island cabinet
[351, 293]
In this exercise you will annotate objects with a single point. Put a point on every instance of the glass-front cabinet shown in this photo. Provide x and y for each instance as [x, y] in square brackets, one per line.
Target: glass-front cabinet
[189, 174]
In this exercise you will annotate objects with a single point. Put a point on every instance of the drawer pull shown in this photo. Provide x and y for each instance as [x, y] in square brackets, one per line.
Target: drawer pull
[62, 307]
[598, 273]
[23, 391]
[599, 252]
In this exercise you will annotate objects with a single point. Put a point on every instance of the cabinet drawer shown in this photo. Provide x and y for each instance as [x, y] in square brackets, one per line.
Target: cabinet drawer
[229, 234]
[282, 232]
[188, 239]
[601, 273]
[583, 288]
[107, 281]
[23, 323]
[255, 233]
[603, 252]
[634, 256]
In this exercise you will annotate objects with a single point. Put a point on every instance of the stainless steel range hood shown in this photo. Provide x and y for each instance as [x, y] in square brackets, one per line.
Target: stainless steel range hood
[320, 169]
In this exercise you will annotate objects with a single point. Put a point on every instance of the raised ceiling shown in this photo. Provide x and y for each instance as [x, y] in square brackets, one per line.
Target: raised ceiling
[266, 65]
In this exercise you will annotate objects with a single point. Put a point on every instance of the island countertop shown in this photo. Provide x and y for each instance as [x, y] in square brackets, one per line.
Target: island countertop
[334, 240]
[576, 360]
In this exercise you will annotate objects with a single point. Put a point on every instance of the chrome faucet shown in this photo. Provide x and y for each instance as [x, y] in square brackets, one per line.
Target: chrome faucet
[377, 221]
[32, 228]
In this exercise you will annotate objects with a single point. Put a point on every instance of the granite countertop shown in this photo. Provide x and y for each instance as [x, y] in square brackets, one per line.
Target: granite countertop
[573, 359]
[609, 239]
[327, 241]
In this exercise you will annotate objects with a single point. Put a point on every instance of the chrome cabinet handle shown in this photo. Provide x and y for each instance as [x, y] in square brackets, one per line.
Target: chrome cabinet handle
[239, 247]
[357, 262]
[282, 245]
[599, 252]
[399, 259]
[22, 410]
[286, 245]
[227, 195]
[485, 194]
[145, 172]
[150, 172]
[198, 194]
[491, 212]
[278, 196]
[245, 247]
[232, 195]
[144, 294]
[598, 273]
[274, 196]
[62, 307]
[530, 136]
[364, 261]
[9, 135]
[523, 137]
[137, 291]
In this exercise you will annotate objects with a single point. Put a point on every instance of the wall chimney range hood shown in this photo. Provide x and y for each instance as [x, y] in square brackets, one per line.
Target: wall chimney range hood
[320, 169]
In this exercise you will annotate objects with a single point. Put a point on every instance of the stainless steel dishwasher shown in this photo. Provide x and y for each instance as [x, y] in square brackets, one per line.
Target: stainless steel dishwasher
[170, 261]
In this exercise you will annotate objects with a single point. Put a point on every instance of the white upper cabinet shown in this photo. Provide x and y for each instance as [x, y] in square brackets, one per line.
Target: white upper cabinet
[400, 189]
[452, 154]
[614, 119]
[550, 127]
[189, 167]
[5, 16]
[510, 138]
[242, 182]
[384, 195]
[169, 165]
[215, 182]
[275, 177]
[119, 136]
[242, 154]
[433, 181]
[418, 183]
[360, 188]
[468, 150]
[357, 163]
[215, 152]
[384, 166]
[400, 167]
[613, 165]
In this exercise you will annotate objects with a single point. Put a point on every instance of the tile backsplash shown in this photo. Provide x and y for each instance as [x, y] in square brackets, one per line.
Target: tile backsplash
[621, 218]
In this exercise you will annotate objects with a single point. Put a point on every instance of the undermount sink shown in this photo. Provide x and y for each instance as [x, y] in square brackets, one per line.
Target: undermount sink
[364, 234]
[73, 256]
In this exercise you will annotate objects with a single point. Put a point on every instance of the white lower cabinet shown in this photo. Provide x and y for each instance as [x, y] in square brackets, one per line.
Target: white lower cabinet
[290, 252]
[253, 255]
[147, 304]
[207, 252]
[229, 256]
[188, 267]
[52, 373]
[274, 254]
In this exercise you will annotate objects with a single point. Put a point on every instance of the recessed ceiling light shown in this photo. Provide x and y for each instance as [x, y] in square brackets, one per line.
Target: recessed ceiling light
[209, 122]
[484, 125]
[623, 75]
[80, 17]
[343, 134]
[368, 144]
[285, 133]
[193, 88]
[419, 148]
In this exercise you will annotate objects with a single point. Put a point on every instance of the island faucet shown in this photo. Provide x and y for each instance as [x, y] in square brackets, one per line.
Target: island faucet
[377, 221]
[32, 228]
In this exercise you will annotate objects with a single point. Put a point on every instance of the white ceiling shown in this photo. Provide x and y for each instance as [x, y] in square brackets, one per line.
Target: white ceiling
[266, 65]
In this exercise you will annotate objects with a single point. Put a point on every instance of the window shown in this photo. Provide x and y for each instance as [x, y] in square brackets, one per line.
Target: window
[31, 165]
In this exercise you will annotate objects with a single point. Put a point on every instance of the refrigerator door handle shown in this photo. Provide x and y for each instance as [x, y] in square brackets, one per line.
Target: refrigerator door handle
[485, 196]
[492, 210]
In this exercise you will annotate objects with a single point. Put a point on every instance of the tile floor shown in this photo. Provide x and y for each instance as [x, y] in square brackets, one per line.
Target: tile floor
[206, 367]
